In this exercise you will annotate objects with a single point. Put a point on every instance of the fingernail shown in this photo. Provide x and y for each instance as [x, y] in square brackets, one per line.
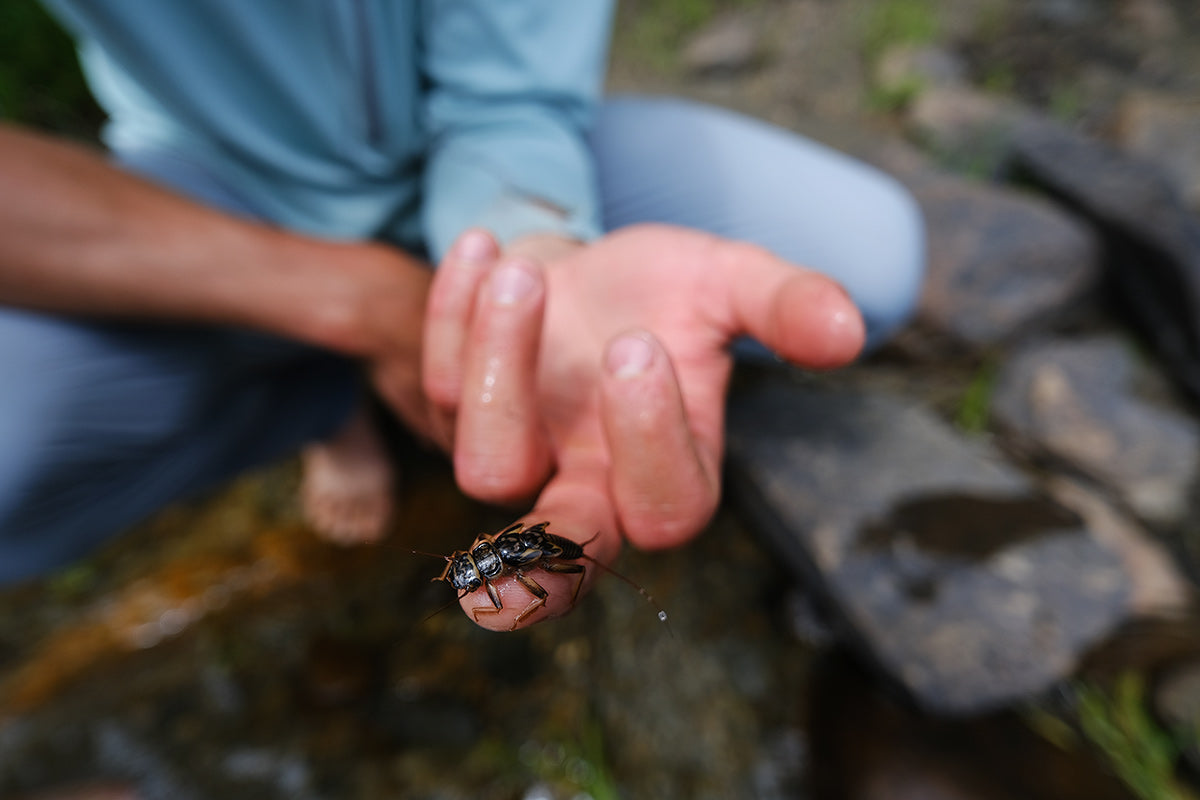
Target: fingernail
[510, 284]
[629, 356]
[474, 245]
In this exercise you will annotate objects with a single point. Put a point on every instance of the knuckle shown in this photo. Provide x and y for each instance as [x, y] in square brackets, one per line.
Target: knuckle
[493, 479]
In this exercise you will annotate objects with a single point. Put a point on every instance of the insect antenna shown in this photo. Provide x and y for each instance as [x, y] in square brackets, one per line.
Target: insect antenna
[431, 555]
[442, 608]
[662, 615]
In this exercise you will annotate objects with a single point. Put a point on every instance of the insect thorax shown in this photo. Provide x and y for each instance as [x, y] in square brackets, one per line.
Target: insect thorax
[468, 571]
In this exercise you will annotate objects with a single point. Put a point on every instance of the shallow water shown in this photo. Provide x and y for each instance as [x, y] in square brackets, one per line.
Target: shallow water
[222, 651]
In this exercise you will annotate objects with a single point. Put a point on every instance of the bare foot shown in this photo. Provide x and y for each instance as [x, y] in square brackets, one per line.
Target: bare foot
[348, 481]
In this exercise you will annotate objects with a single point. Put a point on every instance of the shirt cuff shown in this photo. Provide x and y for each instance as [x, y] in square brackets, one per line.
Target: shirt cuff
[512, 215]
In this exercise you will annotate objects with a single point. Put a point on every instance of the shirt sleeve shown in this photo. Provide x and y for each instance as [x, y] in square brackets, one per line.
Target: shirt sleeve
[511, 91]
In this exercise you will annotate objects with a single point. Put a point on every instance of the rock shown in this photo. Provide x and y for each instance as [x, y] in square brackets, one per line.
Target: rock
[918, 66]
[1152, 19]
[728, 46]
[1151, 239]
[938, 560]
[1165, 129]
[1158, 590]
[1001, 264]
[1075, 400]
[970, 130]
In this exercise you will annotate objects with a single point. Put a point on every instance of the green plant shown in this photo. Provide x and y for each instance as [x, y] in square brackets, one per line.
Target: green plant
[974, 408]
[577, 764]
[893, 22]
[896, 97]
[1117, 722]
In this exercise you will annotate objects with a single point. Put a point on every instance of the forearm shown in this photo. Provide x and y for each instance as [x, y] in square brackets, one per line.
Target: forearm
[79, 236]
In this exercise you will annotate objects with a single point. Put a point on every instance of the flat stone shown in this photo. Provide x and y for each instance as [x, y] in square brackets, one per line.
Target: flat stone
[1151, 239]
[1002, 264]
[936, 557]
[1076, 401]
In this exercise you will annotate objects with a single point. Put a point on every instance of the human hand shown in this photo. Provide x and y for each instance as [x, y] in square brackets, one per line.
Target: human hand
[599, 378]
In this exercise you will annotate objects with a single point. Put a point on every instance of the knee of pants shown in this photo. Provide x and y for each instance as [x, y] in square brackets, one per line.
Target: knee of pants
[888, 295]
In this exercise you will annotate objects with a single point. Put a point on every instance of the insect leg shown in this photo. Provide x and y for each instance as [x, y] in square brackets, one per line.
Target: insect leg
[539, 595]
[494, 595]
[568, 569]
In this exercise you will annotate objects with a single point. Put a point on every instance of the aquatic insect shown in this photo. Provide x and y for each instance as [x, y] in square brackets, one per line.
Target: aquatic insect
[512, 551]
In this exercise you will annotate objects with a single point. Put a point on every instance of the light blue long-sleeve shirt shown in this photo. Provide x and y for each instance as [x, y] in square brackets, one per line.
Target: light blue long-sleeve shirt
[404, 120]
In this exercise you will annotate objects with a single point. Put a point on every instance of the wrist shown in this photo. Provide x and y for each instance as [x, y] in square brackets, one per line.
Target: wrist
[359, 299]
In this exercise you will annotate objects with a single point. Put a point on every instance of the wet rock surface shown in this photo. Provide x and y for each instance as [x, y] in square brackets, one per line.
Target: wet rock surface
[943, 562]
[971, 532]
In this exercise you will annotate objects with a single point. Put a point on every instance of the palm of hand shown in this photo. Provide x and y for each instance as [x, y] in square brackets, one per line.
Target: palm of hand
[648, 280]
[624, 340]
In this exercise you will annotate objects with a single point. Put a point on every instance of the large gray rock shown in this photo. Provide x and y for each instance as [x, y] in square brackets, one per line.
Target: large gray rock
[937, 558]
[1002, 264]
